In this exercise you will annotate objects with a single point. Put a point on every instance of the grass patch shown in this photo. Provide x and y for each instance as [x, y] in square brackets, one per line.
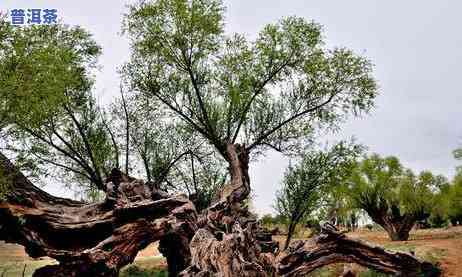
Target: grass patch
[328, 271]
[15, 269]
[146, 267]
[142, 267]
[136, 271]
[407, 247]
[371, 273]
[435, 255]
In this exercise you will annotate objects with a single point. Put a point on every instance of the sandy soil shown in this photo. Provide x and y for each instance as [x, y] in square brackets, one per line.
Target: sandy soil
[446, 243]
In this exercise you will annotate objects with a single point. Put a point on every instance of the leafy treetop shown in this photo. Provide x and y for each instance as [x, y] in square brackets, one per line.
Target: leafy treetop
[271, 92]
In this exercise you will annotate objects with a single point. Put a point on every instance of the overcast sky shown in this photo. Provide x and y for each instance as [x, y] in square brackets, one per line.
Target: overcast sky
[416, 46]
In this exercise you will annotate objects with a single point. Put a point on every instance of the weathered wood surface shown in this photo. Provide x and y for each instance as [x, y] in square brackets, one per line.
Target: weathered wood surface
[98, 239]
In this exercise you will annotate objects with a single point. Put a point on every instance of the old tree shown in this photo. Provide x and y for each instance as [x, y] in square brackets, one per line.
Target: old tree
[393, 196]
[199, 101]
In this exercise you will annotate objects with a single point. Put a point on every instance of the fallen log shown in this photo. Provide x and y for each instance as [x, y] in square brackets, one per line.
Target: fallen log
[98, 239]
[331, 246]
[89, 239]
[231, 257]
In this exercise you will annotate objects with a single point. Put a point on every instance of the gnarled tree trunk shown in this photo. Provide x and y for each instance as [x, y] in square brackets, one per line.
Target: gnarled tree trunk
[397, 228]
[330, 246]
[398, 225]
[90, 239]
[98, 239]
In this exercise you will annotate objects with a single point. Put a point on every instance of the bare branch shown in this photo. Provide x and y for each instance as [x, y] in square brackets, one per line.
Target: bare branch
[127, 130]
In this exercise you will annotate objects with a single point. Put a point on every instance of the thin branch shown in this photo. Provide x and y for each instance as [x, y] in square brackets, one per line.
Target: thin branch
[127, 130]
[259, 140]
[59, 149]
[218, 145]
[274, 147]
[83, 135]
[165, 172]
[114, 143]
[199, 99]
[184, 179]
[62, 166]
[257, 92]
[179, 112]
[193, 173]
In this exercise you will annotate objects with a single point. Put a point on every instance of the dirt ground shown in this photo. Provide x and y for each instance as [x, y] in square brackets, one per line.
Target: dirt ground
[437, 245]
[14, 261]
[441, 245]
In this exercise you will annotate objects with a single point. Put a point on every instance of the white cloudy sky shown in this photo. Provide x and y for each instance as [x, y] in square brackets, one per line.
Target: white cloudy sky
[416, 46]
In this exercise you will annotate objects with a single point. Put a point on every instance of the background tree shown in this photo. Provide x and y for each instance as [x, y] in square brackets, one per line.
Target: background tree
[338, 208]
[454, 196]
[440, 213]
[305, 185]
[391, 195]
[51, 122]
[273, 221]
[455, 193]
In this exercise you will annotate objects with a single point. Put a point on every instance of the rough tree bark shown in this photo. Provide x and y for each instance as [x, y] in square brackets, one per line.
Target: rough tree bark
[290, 232]
[397, 226]
[98, 239]
[90, 239]
[331, 246]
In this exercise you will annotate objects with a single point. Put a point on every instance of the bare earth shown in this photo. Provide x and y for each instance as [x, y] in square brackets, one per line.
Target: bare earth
[437, 245]
[445, 245]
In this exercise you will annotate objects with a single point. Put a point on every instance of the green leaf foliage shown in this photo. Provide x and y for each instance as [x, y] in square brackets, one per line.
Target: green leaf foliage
[306, 185]
[41, 68]
[382, 186]
[272, 92]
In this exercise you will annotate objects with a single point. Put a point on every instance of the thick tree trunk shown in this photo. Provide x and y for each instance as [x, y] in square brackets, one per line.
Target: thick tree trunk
[238, 253]
[231, 256]
[89, 239]
[290, 232]
[398, 230]
[226, 243]
[398, 236]
[98, 239]
[397, 226]
[175, 248]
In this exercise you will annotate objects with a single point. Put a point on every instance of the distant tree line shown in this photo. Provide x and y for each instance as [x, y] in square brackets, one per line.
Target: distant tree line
[342, 184]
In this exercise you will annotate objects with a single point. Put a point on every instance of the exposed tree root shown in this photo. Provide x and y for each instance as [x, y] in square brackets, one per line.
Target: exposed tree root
[330, 246]
[90, 239]
[98, 239]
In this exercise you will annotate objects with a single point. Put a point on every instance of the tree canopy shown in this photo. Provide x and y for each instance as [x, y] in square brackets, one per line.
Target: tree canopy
[48, 112]
[306, 184]
[272, 92]
[41, 69]
[54, 128]
[393, 196]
